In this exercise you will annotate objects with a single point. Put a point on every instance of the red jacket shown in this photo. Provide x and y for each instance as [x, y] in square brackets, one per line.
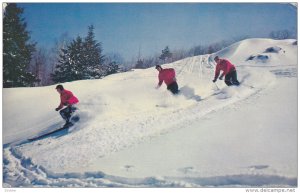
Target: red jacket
[225, 66]
[67, 98]
[167, 75]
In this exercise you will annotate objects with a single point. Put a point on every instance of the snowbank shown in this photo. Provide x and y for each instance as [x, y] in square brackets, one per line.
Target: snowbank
[255, 52]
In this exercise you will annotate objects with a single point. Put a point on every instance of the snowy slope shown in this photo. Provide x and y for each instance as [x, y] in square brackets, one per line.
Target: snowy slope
[265, 52]
[132, 135]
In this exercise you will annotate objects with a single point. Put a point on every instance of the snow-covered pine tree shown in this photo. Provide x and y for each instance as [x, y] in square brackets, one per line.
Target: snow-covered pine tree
[17, 51]
[166, 54]
[81, 60]
[70, 65]
[77, 59]
[61, 67]
[111, 68]
[112, 63]
[93, 58]
[54, 54]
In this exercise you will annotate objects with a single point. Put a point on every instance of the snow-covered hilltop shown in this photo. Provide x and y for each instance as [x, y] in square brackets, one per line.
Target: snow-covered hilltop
[132, 135]
[265, 52]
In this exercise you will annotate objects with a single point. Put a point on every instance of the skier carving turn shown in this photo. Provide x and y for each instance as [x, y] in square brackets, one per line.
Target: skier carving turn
[167, 75]
[66, 99]
[229, 71]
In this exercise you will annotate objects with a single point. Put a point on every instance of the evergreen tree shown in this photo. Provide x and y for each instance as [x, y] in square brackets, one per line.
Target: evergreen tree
[140, 64]
[62, 68]
[54, 55]
[77, 59]
[17, 51]
[93, 58]
[111, 68]
[82, 59]
[166, 54]
[112, 63]
[70, 65]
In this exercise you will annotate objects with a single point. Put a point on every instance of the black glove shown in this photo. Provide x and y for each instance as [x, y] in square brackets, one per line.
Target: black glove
[214, 80]
[57, 109]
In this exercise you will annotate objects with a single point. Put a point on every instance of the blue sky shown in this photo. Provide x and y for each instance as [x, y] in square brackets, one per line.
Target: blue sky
[124, 27]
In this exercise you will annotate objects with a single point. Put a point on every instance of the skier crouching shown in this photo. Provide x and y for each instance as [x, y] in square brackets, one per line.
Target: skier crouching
[66, 99]
[168, 76]
[228, 70]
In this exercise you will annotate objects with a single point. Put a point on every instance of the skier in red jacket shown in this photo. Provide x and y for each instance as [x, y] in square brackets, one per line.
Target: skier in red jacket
[229, 72]
[66, 99]
[168, 76]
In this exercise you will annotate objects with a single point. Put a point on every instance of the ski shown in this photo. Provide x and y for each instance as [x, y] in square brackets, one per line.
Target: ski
[47, 134]
[74, 119]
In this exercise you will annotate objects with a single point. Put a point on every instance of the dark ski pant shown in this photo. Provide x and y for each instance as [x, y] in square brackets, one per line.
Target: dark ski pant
[173, 87]
[231, 79]
[66, 113]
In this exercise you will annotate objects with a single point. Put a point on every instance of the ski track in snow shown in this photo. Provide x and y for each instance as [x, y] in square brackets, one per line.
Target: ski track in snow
[23, 172]
[101, 137]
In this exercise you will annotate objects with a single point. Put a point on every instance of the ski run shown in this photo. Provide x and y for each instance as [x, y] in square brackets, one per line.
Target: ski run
[133, 135]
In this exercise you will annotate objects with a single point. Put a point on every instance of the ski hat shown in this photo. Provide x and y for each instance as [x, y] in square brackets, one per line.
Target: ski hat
[59, 87]
[158, 66]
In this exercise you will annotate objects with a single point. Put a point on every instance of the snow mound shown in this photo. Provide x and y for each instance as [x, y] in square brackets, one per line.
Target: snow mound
[260, 51]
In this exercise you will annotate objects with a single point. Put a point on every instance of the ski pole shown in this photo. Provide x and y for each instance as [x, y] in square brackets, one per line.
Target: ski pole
[217, 86]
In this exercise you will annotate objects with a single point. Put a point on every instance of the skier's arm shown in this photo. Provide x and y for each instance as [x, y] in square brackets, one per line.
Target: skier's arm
[160, 81]
[217, 73]
[226, 70]
[173, 74]
[61, 105]
[222, 75]
[64, 102]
